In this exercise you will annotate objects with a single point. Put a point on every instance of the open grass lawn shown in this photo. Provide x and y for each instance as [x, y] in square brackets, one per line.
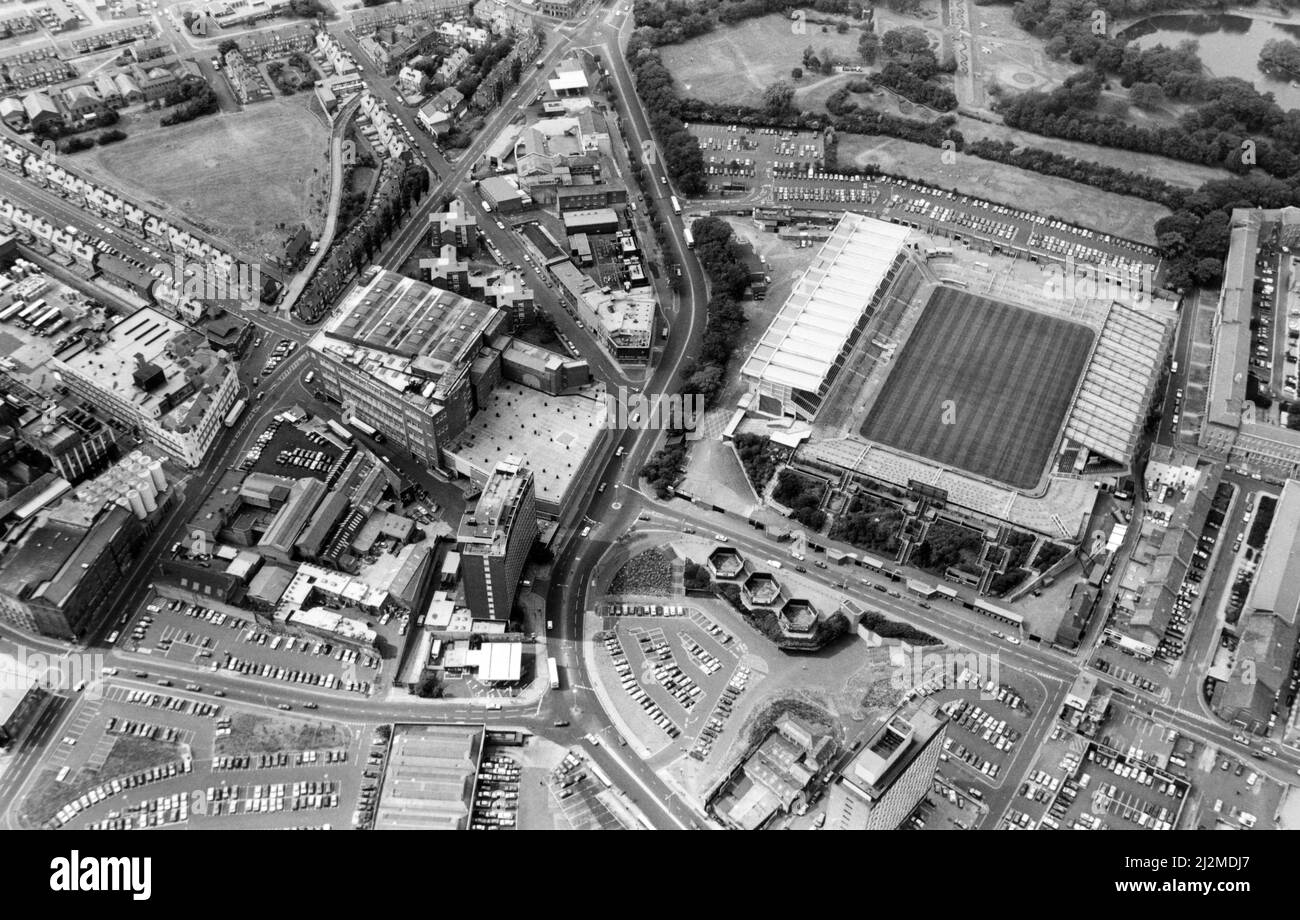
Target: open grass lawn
[736, 63]
[237, 175]
[1009, 374]
[128, 755]
[257, 734]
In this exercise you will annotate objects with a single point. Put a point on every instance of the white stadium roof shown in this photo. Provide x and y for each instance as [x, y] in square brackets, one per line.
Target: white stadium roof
[812, 326]
[1110, 407]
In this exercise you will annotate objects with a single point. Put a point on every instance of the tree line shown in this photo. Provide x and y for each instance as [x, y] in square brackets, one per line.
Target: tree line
[721, 258]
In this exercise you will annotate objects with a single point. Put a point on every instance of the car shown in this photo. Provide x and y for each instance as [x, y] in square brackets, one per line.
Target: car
[285, 707]
[310, 706]
[586, 530]
[561, 723]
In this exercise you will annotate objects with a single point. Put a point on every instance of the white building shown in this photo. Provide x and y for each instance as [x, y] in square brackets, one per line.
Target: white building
[156, 375]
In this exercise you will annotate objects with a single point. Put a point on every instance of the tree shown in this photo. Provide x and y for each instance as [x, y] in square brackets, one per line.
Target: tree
[778, 98]
[1146, 95]
[906, 44]
[796, 72]
[869, 47]
[1280, 58]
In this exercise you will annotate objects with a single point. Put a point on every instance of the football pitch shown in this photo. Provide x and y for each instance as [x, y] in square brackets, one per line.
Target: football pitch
[981, 386]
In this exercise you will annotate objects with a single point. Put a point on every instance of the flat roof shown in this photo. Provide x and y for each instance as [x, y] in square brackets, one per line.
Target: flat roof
[147, 337]
[806, 336]
[558, 439]
[489, 522]
[891, 748]
[497, 661]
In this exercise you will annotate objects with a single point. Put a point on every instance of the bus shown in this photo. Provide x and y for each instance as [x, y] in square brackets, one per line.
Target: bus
[677, 208]
[11, 311]
[690, 240]
[554, 672]
[235, 412]
[28, 311]
[57, 326]
[368, 430]
[339, 430]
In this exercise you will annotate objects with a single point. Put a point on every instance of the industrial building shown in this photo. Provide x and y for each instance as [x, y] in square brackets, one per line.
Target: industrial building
[71, 549]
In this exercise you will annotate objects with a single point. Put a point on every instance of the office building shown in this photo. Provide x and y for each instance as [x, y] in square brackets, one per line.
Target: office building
[495, 539]
[158, 376]
[891, 774]
[397, 354]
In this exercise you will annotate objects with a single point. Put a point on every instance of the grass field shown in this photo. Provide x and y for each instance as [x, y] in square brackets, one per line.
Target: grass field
[1009, 374]
[238, 176]
[736, 63]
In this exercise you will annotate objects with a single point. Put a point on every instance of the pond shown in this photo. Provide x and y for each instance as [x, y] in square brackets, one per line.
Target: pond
[1230, 46]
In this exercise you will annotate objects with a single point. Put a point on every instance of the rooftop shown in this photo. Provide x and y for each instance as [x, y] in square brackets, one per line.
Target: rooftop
[557, 431]
[824, 307]
[405, 334]
[1277, 581]
[891, 748]
[163, 368]
[485, 529]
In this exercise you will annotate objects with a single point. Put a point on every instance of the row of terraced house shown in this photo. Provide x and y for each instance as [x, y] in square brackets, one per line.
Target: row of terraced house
[107, 204]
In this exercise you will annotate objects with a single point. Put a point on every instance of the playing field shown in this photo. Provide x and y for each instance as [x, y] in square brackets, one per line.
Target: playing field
[250, 178]
[981, 386]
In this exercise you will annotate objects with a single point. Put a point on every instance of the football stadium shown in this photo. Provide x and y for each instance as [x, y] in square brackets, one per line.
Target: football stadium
[969, 379]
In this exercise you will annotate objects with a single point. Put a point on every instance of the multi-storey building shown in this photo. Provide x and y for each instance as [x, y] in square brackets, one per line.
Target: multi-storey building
[397, 353]
[155, 375]
[1230, 424]
[61, 562]
[75, 442]
[454, 227]
[495, 538]
[891, 774]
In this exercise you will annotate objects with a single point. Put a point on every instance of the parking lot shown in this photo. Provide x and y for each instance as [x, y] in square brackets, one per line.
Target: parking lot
[582, 799]
[679, 671]
[947, 807]
[1104, 789]
[284, 448]
[984, 730]
[961, 218]
[177, 630]
[189, 782]
[496, 794]
[737, 158]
